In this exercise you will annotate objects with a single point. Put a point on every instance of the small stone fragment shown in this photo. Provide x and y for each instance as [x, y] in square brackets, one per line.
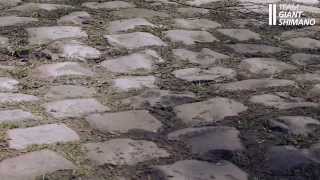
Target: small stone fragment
[189, 37]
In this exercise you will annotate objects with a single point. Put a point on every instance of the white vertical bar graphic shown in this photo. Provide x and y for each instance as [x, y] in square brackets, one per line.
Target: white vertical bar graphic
[274, 14]
[270, 14]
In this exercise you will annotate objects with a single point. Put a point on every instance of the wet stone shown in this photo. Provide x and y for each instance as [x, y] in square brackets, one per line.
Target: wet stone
[108, 5]
[44, 134]
[134, 83]
[51, 71]
[73, 108]
[254, 49]
[240, 34]
[31, 7]
[123, 122]
[8, 84]
[195, 24]
[33, 164]
[189, 37]
[282, 160]
[204, 57]
[15, 20]
[212, 110]
[304, 43]
[134, 40]
[17, 116]
[128, 24]
[217, 74]
[281, 101]
[69, 91]
[124, 152]
[75, 18]
[254, 84]
[209, 139]
[266, 67]
[195, 169]
[72, 50]
[305, 59]
[140, 62]
[139, 13]
[43, 35]
[155, 97]
[14, 98]
[297, 125]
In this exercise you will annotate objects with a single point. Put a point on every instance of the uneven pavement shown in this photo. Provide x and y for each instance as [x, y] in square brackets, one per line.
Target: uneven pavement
[157, 90]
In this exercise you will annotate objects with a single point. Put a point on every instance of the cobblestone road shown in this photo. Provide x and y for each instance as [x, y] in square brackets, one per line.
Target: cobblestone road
[157, 90]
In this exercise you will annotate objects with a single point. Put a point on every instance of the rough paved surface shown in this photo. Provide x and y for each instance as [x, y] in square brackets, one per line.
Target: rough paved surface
[157, 90]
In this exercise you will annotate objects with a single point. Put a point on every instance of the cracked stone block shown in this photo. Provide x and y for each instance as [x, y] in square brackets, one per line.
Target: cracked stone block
[127, 24]
[138, 13]
[297, 125]
[73, 108]
[31, 7]
[47, 34]
[303, 43]
[17, 116]
[281, 101]
[30, 165]
[189, 37]
[209, 139]
[140, 62]
[254, 84]
[15, 98]
[204, 57]
[52, 71]
[68, 92]
[217, 74]
[255, 67]
[8, 84]
[123, 122]
[240, 34]
[254, 48]
[212, 110]
[75, 18]
[124, 152]
[305, 59]
[195, 24]
[134, 83]
[134, 40]
[195, 169]
[155, 97]
[21, 138]
[15, 20]
[108, 5]
[72, 50]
